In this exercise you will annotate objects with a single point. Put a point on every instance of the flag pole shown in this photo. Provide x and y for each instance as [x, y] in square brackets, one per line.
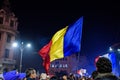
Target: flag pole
[80, 48]
[77, 61]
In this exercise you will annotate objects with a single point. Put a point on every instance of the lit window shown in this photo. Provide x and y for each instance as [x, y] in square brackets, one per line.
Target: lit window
[55, 66]
[52, 65]
[60, 65]
[66, 65]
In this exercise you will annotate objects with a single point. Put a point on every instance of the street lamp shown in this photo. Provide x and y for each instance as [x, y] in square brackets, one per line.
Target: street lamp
[22, 47]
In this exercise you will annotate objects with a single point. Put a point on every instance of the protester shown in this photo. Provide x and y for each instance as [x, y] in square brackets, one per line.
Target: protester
[30, 74]
[43, 76]
[104, 68]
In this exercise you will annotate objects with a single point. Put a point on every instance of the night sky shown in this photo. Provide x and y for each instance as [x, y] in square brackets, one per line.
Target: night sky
[39, 20]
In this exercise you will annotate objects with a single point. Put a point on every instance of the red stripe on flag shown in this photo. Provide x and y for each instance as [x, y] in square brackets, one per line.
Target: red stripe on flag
[44, 53]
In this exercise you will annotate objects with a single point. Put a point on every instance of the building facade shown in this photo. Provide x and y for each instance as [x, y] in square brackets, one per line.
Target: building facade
[65, 65]
[71, 64]
[8, 34]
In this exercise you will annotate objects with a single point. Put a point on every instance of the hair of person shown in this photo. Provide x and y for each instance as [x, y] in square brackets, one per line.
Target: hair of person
[29, 71]
[104, 65]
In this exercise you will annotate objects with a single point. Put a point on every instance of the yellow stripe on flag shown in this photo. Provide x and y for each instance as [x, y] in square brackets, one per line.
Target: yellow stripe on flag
[56, 50]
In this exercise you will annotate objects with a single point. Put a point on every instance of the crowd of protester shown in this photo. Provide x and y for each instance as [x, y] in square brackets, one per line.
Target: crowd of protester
[103, 72]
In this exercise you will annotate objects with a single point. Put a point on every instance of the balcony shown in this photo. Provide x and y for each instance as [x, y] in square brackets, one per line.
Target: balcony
[7, 61]
[8, 29]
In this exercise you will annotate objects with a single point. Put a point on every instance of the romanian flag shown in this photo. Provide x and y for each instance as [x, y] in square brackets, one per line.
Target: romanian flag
[64, 43]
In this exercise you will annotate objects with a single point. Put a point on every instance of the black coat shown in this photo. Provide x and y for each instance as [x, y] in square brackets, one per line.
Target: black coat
[30, 79]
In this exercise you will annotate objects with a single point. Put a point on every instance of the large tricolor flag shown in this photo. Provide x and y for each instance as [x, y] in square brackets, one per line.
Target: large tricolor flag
[64, 43]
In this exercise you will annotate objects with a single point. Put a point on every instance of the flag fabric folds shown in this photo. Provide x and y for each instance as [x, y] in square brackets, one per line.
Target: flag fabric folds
[14, 75]
[56, 49]
[44, 52]
[72, 38]
[64, 43]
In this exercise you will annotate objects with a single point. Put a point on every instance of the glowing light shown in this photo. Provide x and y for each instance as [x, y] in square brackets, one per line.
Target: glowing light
[15, 44]
[118, 50]
[29, 45]
[110, 49]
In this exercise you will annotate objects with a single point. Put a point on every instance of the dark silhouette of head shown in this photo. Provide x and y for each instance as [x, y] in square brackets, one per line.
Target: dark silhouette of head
[54, 78]
[30, 72]
[104, 65]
